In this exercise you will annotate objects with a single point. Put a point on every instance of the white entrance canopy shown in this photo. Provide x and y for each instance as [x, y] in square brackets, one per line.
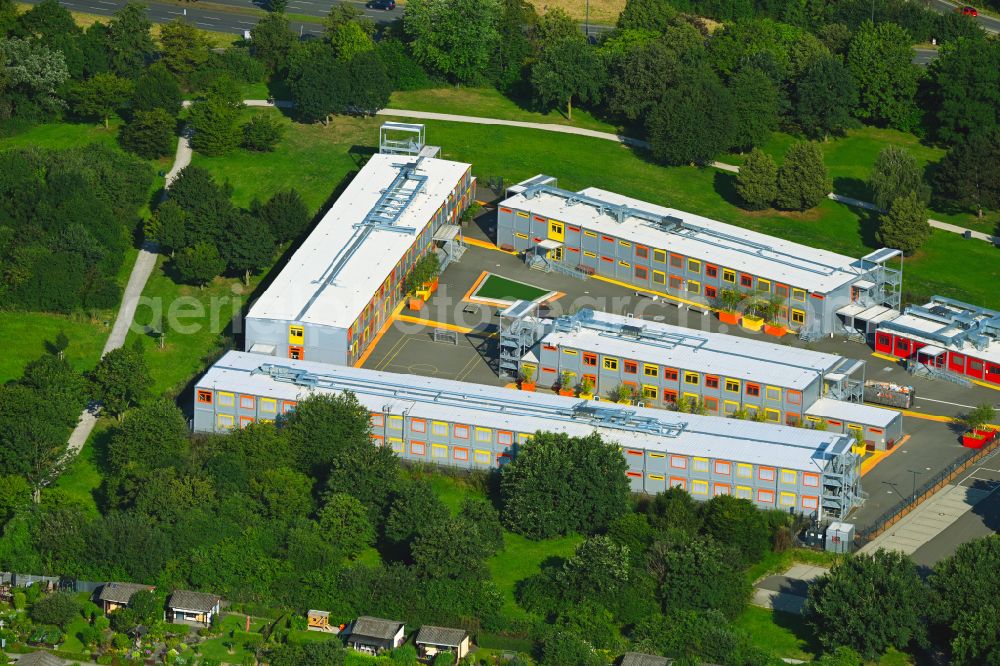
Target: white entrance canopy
[549, 244]
[932, 350]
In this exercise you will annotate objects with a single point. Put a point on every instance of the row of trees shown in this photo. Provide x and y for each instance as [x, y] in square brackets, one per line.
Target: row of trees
[207, 235]
[66, 220]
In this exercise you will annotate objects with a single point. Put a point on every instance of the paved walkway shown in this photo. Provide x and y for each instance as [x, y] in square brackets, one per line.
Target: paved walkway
[787, 593]
[141, 270]
[928, 520]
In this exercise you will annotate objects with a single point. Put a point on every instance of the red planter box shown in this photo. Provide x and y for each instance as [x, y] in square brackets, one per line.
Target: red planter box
[776, 331]
[973, 441]
[567, 392]
[732, 318]
[986, 433]
[526, 386]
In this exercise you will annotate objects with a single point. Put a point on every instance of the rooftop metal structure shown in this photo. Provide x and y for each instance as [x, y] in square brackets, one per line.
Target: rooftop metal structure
[401, 138]
[957, 323]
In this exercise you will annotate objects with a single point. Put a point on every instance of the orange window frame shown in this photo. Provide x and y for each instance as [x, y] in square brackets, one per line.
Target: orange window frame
[682, 462]
[810, 480]
[641, 252]
[631, 367]
[723, 487]
[676, 260]
[711, 381]
[204, 397]
[460, 431]
[771, 470]
[244, 402]
[765, 496]
[711, 270]
[793, 397]
[415, 451]
[752, 389]
[670, 374]
[676, 481]
[590, 359]
[669, 395]
[712, 404]
[723, 467]
[287, 406]
[505, 437]
[245, 421]
[418, 425]
[460, 450]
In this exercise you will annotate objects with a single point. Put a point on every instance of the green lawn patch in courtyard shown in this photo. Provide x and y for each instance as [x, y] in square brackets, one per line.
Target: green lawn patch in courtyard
[782, 634]
[503, 289]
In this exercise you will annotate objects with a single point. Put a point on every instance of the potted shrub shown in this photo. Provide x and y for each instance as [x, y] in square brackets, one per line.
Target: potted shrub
[975, 422]
[566, 384]
[727, 301]
[772, 326]
[527, 378]
[587, 389]
[623, 395]
[754, 315]
[423, 275]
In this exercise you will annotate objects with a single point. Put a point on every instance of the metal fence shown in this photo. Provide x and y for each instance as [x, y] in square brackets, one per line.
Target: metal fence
[26, 580]
[936, 483]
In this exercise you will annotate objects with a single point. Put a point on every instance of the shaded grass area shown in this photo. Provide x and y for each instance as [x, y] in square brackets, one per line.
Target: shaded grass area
[25, 336]
[63, 135]
[504, 289]
[784, 635]
[82, 476]
[490, 103]
[521, 558]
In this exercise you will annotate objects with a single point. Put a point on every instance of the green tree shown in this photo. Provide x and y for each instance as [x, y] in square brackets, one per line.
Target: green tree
[977, 637]
[271, 40]
[341, 14]
[802, 179]
[757, 181]
[152, 436]
[345, 523]
[121, 380]
[698, 575]
[566, 69]
[283, 494]
[277, 6]
[455, 37]
[262, 132]
[966, 88]
[518, 19]
[449, 549]
[147, 606]
[247, 244]
[215, 125]
[559, 485]
[556, 25]
[285, 213]
[415, 509]
[739, 525]
[199, 263]
[968, 574]
[349, 39]
[55, 380]
[129, 41]
[101, 95]
[904, 226]
[896, 174]
[168, 227]
[694, 121]
[598, 569]
[32, 71]
[150, 134]
[320, 85]
[824, 98]
[59, 609]
[880, 59]
[369, 84]
[646, 15]
[969, 175]
[8, 16]
[755, 107]
[565, 649]
[881, 592]
[183, 48]
[15, 494]
[157, 88]
[481, 515]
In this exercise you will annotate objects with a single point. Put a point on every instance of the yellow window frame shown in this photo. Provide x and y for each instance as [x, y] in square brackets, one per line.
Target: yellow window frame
[570, 352]
[703, 462]
[225, 420]
[590, 255]
[744, 492]
[798, 316]
[229, 396]
[772, 393]
[520, 235]
[660, 256]
[268, 406]
[694, 266]
[659, 277]
[649, 391]
[650, 370]
[693, 287]
[744, 471]
[691, 396]
[799, 295]
[521, 213]
[730, 406]
[772, 415]
[609, 362]
[692, 378]
[656, 477]
[732, 385]
[487, 431]
[624, 264]
[395, 422]
[396, 444]
[789, 477]
[624, 243]
[523, 437]
[435, 425]
[589, 234]
[786, 499]
[699, 487]
[656, 455]
[439, 451]
[763, 285]
[813, 419]
[482, 457]
[728, 275]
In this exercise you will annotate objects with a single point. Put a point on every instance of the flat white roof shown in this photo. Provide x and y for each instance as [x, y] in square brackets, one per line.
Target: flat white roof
[302, 291]
[702, 351]
[709, 240]
[853, 412]
[506, 409]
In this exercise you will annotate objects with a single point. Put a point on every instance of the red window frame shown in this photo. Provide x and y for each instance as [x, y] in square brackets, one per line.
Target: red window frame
[590, 359]
[793, 397]
[460, 449]
[765, 496]
[710, 292]
[204, 397]
[633, 452]
[674, 282]
[752, 390]
[641, 252]
[676, 260]
[835, 424]
[669, 395]
[711, 381]
[670, 374]
[634, 475]
[711, 270]
[760, 473]
[457, 429]
[631, 367]
[252, 402]
[641, 273]
[781, 289]
[712, 404]
[746, 280]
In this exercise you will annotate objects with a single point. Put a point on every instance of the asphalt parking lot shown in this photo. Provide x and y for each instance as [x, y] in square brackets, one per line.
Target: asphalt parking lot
[469, 354]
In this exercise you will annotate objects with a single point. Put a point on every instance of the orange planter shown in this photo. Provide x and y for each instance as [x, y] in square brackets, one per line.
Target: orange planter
[776, 331]
[527, 386]
[729, 318]
[567, 392]
[416, 303]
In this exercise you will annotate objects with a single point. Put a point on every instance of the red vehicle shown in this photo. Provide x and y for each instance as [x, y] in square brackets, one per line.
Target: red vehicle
[967, 11]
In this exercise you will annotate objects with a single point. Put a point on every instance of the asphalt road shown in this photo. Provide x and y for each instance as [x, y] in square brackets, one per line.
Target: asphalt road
[988, 23]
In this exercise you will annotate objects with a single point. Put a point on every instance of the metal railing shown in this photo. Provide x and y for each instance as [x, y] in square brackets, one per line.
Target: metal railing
[924, 492]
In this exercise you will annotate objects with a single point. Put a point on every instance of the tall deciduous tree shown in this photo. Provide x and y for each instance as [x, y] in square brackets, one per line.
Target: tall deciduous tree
[517, 20]
[697, 575]
[559, 484]
[369, 85]
[101, 95]
[566, 69]
[156, 88]
[757, 181]
[152, 436]
[881, 592]
[802, 179]
[184, 48]
[285, 213]
[966, 88]
[272, 40]
[345, 523]
[349, 39]
[694, 121]
[262, 132]
[32, 436]
[121, 379]
[199, 263]
[824, 98]
[320, 85]
[247, 245]
[969, 175]
[455, 37]
[881, 61]
[215, 125]
[130, 43]
[739, 525]
[896, 174]
[33, 71]
[646, 15]
[755, 107]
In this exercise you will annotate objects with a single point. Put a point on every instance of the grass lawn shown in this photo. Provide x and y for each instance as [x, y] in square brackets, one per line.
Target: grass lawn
[451, 490]
[521, 558]
[23, 337]
[601, 11]
[782, 634]
[306, 636]
[63, 135]
[232, 631]
[490, 103]
[501, 288]
[203, 320]
[82, 477]
[73, 642]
